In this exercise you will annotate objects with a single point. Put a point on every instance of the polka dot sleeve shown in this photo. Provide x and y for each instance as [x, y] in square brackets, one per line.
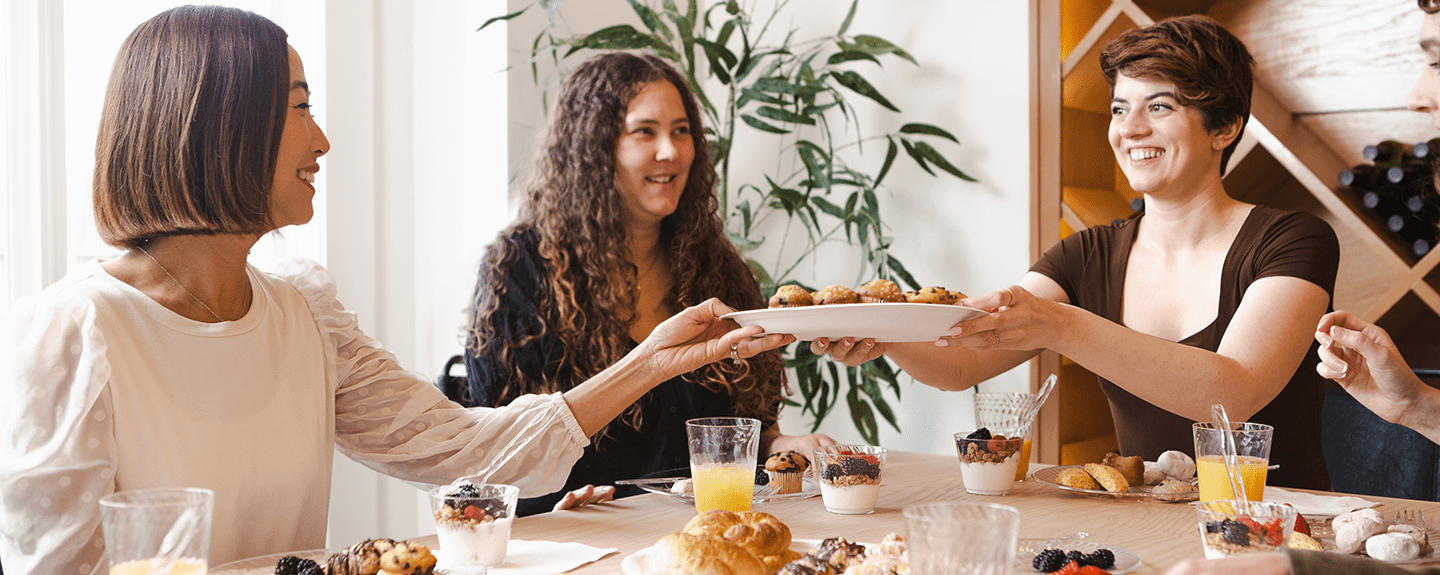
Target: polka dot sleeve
[396, 422]
[57, 456]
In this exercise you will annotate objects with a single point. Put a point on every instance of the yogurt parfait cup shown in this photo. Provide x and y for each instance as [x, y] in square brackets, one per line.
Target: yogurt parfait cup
[472, 523]
[988, 463]
[850, 477]
[1226, 529]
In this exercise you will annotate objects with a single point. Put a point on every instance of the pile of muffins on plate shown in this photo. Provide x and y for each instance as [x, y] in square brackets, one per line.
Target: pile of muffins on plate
[878, 291]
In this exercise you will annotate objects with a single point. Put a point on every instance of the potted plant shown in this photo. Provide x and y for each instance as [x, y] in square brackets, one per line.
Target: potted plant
[751, 76]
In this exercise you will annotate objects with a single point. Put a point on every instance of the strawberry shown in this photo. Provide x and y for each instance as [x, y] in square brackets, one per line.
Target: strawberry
[475, 513]
[1254, 526]
[1092, 570]
[1301, 526]
[1071, 568]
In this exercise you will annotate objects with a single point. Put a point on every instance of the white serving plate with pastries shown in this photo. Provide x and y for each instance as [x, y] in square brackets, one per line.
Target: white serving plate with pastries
[887, 322]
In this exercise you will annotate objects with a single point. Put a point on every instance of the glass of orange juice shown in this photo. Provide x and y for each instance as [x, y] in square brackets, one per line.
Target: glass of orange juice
[157, 531]
[722, 461]
[1252, 443]
[1000, 412]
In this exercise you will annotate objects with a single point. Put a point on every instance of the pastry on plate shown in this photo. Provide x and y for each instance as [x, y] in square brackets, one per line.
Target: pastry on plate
[935, 295]
[791, 295]
[834, 295]
[880, 291]
[787, 471]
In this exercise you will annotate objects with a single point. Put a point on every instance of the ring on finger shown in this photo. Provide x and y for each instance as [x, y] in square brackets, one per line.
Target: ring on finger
[996, 334]
[735, 351]
[1012, 297]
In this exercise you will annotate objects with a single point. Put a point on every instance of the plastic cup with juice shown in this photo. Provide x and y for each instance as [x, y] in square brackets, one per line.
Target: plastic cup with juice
[1252, 443]
[722, 461]
[1000, 412]
[157, 531]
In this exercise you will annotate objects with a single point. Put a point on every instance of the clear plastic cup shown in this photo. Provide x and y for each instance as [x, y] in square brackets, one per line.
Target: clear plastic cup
[722, 461]
[472, 524]
[953, 538]
[1000, 412]
[987, 466]
[1252, 443]
[850, 477]
[158, 531]
[1227, 530]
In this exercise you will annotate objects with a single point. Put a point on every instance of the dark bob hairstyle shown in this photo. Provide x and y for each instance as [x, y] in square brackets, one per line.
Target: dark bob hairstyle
[1430, 6]
[1210, 67]
[191, 126]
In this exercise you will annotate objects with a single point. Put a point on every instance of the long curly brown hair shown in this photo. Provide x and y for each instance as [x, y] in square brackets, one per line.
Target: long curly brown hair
[587, 299]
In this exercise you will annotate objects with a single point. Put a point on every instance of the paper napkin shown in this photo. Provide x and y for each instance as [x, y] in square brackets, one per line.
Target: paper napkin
[1320, 505]
[533, 558]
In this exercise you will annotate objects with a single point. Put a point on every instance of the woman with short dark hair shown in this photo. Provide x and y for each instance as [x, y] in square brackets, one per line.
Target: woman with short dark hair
[620, 228]
[1201, 299]
[177, 364]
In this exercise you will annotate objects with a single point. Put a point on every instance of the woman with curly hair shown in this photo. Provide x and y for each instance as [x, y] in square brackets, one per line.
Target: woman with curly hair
[619, 230]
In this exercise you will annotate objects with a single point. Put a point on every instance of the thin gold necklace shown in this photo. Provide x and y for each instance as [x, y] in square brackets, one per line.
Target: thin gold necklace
[177, 282]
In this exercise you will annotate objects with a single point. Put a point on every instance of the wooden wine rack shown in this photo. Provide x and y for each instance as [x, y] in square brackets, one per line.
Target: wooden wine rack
[1329, 79]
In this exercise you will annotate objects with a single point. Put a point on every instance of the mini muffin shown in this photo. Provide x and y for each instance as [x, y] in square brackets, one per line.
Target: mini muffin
[934, 294]
[787, 471]
[791, 295]
[834, 295]
[880, 291]
[1132, 466]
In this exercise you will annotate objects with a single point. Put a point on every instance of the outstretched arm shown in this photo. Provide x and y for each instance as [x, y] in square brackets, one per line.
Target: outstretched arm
[1361, 357]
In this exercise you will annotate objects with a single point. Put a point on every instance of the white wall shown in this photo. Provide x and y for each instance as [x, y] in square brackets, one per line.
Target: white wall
[974, 80]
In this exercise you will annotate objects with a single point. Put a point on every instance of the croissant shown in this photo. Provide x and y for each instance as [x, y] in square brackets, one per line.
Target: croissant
[382, 557]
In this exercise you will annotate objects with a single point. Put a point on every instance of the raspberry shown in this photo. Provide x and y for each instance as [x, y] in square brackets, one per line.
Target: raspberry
[1076, 557]
[1102, 558]
[1048, 561]
[1235, 532]
[474, 513]
[996, 444]
[981, 433]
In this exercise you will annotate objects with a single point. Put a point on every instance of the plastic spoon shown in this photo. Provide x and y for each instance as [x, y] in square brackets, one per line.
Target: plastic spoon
[1231, 457]
[1045, 389]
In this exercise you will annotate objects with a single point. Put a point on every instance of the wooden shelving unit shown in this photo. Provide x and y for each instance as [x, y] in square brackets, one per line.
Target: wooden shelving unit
[1330, 78]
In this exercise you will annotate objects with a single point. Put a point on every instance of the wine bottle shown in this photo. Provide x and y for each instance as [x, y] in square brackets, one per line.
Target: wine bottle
[1426, 149]
[1413, 232]
[1359, 177]
[1385, 154]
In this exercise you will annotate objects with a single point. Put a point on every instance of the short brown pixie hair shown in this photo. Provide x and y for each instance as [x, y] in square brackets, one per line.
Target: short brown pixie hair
[191, 126]
[1430, 6]
[1210, 67]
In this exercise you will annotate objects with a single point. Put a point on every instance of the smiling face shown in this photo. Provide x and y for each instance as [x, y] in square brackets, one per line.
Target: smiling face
[1425, 96]
[302, 142]
[653, 154]
[1159, 143]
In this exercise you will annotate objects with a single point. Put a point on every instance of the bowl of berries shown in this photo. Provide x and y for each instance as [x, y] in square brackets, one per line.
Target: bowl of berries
[1235, 527]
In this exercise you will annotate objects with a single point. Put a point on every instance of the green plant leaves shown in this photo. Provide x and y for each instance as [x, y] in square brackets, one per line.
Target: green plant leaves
[796, 93]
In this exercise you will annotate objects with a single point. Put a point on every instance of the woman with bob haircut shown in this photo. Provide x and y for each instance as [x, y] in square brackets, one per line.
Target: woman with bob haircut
[177, 364]
[1201, 299]
[1363, 359]
[619, 229]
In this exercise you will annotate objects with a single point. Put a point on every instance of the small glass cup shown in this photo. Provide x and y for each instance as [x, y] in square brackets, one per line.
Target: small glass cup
[147, 530]
[1225, 530]
[850, 477]
[1000, 412]
[953, 538]
[722, 461]
[987, 466]
[1252, 443]
[472, 524]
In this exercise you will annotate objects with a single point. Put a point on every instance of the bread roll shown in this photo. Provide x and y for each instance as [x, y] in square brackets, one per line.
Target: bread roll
[758, 532]
[686, 554]
[1108, 477]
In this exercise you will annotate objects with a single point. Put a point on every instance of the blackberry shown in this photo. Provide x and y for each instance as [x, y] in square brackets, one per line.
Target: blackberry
[312, 570]
[831, 472]
[456, 499]
[1102, 558]
[859, 466]
[1048, 561]
[492, 507]
[1212, 527]
[761, 477]
[1076, 557]
[291, 565]
[981, 433]
[1235, 532]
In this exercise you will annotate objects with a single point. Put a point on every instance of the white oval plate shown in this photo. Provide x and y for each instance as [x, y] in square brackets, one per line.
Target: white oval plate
[633, 563]
[888, 322]
[1125, 561]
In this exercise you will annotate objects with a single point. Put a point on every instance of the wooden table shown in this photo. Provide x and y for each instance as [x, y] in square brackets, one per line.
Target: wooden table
[1162, 534]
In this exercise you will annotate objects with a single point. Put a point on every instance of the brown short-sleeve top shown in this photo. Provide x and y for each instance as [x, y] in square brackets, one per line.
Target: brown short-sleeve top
[1090, 266]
